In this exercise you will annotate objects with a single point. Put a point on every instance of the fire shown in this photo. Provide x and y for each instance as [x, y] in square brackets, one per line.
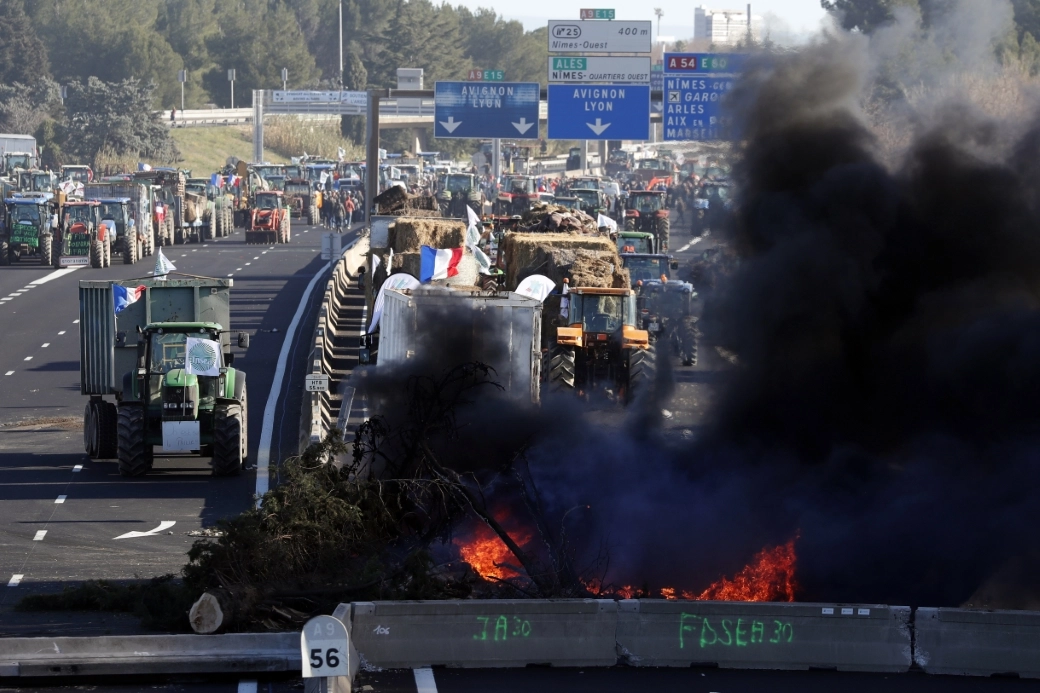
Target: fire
[769, 577]
[487, 555]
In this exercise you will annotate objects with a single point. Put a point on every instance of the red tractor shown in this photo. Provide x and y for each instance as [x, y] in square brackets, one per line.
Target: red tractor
[645, 211]
[518, 195]
[81, 238]
[268, 218]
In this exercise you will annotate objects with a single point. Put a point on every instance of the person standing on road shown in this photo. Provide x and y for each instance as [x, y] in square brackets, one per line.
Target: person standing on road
[348, 207]
[173, 116]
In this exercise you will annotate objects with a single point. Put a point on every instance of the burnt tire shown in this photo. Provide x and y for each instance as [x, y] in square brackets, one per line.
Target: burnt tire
[228, 432]
[107, 431]
[97, 254]
[560, 369]
[134, 453]
[46, 246]
[642, 365]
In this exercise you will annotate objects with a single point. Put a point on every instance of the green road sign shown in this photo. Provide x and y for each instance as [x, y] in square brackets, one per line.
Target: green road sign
[597, 14]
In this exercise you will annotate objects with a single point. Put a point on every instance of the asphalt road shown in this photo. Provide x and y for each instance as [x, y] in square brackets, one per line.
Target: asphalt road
[63, 513]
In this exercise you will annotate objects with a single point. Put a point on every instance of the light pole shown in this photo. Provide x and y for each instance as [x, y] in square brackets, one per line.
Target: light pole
[231, 78]
[183, 77]
[660, 13]
[285, 79]
[341, 44]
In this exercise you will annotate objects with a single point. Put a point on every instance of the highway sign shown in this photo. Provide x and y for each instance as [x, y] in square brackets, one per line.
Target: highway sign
[570, 36]
[480, 110]
[597, 14]
[323, 648]
[599, 69]
[478, 75]
[693, 107]
[599, 112]
[356, 98]
[698, 63]
[318, 382]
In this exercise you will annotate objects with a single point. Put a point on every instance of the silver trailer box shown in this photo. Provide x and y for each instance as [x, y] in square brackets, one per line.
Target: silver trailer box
[506, 320]
[108, 342]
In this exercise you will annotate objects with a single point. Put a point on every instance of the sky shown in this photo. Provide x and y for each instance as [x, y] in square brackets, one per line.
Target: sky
[801, 16]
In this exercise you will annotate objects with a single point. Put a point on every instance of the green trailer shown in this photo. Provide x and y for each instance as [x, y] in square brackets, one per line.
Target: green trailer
[165, 359]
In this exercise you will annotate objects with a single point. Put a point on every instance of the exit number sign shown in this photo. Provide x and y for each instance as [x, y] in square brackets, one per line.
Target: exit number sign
[486, 75]
[597, 14]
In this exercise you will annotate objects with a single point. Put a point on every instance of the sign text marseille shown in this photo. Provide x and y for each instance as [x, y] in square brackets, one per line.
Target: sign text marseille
[486, 110]
[599, 112]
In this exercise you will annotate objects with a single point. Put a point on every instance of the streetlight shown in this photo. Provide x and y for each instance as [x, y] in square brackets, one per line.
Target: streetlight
[182, 76]
[341, 45]
[285, 78]
[231, 78]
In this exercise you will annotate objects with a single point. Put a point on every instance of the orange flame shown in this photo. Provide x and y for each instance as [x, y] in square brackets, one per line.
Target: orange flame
[769, 577]
[487, 555]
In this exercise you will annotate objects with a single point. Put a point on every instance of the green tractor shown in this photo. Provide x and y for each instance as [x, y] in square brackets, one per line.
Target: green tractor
[459, 191]
[645, 211]
[28, 229]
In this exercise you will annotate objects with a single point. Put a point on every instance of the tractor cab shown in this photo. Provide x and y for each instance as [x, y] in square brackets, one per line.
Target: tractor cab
[591, 200]
[28, 220]
[117, 211]
[276, 182]
[644, 203]
[646, 267]
[268, 199]
[629, 242]
[77, 173]
[81, 216]
[568, 202]
[600, 315]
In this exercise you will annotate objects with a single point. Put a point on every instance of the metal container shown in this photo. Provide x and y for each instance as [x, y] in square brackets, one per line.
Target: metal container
[496, 323]
[108, 342]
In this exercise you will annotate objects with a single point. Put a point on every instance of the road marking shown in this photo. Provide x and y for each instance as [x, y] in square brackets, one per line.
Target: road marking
[45, 345]
[204, 245]
[9, 373]
[5, 299]
[13, 295]
[22, 291]
[15, 579]
[263, 454]
[54, 275]
[238, 269]
[248, 264]
[75, 322]
[62, 332]
[60, 499]
[28, 358]
[257, 257]
[686, 247]
[271, 248]
[78, 468]
[164, 525]
[264, 253]
[40, 535]
[232, 274]
[195, 250]
[247, 687]
[424, 682]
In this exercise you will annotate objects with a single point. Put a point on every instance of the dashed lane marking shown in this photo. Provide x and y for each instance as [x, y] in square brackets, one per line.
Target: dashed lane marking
[40, 535]
[238, 269]
[232, 274]
[78, 468]
[28, 358]
[248, 264]
[45, 345]
[54, 275]
[75, 322]
[15, 579]
[60, 499]
[61, 332]
[9, 373]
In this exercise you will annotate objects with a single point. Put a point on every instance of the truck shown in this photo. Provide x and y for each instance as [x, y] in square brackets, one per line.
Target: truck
[506, 332]
[207, 208]
[27, 229]
[140, 205]
[168, 186]
[18, 151]
[164, 361]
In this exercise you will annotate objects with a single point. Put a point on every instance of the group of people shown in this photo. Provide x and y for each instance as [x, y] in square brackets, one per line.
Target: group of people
[338, 208]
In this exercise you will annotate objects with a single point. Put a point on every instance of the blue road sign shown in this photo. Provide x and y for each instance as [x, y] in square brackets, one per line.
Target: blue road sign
[481, 110]
[599, 112]
[693, 108]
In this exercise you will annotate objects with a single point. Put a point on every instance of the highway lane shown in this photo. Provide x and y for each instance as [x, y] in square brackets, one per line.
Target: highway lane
[47, 484]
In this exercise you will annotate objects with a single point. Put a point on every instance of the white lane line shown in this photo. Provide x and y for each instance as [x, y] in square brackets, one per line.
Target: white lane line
[5, 299]
[54, 275]
[264, 253]
[28, 358]
[205, 245]
[686, 247]
[271, 248]
[232, 274]
[424, 682]
[164, 525]
[9, 373]
[61, 332]
[238, 269]
[40, 535]
[45, 345]
[15, 579]
[78, 468]
[257, 257]
[263, 455]
[60, 499]
[13, 295]
[248, 264]
[75, 322]
[22, 291]
[247, 687]
[195, 250]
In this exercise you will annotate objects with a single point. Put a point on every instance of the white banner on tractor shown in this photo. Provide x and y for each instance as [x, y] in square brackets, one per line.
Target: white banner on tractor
[202, 356]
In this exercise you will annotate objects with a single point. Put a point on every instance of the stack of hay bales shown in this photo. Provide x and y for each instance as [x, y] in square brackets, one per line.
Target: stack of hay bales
[584, 260]
[556, 218]
[396, 201]
[407, 235]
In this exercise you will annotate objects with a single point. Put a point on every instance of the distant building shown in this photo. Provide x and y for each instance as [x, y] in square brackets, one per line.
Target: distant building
[723, 27]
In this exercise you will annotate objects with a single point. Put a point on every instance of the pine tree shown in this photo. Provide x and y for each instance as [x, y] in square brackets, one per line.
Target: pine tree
[23, 57]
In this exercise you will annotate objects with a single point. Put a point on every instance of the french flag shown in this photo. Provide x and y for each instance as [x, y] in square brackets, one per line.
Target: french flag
[124, 296]
[438, 264]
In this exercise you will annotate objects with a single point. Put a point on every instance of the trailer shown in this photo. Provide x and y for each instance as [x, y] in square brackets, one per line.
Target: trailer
[165, 359]
[500, 325]
[138, 212]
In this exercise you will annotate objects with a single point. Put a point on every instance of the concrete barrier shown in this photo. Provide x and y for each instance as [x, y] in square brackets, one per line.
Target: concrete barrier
[486, 633]
[150, 654]
[977, 643]
[748, 635]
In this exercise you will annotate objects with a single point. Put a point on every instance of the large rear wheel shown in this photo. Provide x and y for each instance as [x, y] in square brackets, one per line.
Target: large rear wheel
[664, 226]
[560, 369]
[228, 433]
[135, 454]
[107, 244]
[46, 246]
[4, 250]
[641, 368]
[130, 248]
[97, 254]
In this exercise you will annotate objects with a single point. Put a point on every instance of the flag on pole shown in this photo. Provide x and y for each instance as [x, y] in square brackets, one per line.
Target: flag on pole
[438, 264]
[124, 296]
[536, 286]
[216, 180]
[602, 220]
[162, 266]
[375, 263]
[390, 261]
[474, 220]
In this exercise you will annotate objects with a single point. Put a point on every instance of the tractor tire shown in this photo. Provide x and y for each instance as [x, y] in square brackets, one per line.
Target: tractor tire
[5, 259]
[630, 224]
[690, 340]
[146, 246]
[560, 369]
[664, 227]
[97, 254]
[229, 221]
[227, 440]
[287, 233]
[216, 224]
[641, 369]
[108, 251]
[107, 431]
[90, 437]
[46, 246]
[130, 249]
[135, 454]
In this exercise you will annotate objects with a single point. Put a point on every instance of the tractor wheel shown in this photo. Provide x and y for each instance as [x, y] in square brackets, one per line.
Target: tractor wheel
[135, 454]
[130, 249]
[97, 254]
[560, 370]
[107, 431]
[227, 440]
[46, 246]
[287, 232]
[229, 221]
[630, 224]
[4, 250]
[90, 437]
[664, 227]
[108, 251]
[216, 224]
[641, 368]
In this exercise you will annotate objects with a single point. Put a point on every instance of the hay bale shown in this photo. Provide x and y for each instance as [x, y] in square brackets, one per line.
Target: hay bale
[411, 212]
[407, 235]
[558, 219]
[531, 253]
